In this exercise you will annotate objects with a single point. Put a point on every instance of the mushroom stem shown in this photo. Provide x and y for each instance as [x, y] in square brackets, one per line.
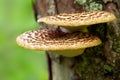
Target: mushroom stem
[68, 53]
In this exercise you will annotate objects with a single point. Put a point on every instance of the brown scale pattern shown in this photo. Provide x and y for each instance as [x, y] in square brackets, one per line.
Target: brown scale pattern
[47, 39]
[79, 19]
[78, 16]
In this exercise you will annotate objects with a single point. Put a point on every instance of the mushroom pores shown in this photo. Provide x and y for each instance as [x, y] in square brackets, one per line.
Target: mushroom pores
[69, 53]
[78, 19]
[57, 42]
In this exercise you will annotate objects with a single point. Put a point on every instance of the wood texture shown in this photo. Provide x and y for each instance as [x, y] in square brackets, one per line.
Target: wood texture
[97, 63]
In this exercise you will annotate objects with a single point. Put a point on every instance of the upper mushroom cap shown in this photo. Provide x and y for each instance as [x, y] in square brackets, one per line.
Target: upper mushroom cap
[79, 19]
[50, 40]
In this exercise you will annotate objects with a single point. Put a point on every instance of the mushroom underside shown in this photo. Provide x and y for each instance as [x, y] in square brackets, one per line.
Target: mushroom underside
[69, 53]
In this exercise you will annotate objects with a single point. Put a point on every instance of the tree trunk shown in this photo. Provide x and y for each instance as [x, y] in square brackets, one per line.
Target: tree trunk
[96, 63]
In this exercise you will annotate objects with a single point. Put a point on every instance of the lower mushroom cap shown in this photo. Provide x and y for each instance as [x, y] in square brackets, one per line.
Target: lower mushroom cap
[52, 40]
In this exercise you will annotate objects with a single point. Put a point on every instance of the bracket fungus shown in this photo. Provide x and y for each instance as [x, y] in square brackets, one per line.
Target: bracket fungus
[79, 19]
[66, 44]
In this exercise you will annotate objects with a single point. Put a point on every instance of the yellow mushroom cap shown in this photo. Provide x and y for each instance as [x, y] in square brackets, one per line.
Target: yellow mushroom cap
[79, 19]
[51, 40]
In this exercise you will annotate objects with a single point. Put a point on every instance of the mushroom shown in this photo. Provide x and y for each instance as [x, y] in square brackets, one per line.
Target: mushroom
[78, 21]
[66, 44]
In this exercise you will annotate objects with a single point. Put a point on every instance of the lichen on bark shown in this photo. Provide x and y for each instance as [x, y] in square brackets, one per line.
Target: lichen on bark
[90, 4]
[97, 63]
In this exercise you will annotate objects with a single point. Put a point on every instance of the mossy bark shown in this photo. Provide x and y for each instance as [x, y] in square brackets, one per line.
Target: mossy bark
[96, 63]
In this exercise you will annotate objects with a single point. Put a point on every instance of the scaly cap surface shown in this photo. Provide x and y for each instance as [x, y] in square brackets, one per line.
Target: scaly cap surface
[78, 19]
[50, 40]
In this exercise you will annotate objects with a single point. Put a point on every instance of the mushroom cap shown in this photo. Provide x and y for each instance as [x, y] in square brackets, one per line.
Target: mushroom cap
[78, 19]
[50, 40]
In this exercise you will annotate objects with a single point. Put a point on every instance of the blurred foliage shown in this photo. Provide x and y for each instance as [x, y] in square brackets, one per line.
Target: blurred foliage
[16, 63]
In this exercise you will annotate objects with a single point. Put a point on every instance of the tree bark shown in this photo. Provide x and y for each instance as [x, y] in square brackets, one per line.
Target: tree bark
[96, 63]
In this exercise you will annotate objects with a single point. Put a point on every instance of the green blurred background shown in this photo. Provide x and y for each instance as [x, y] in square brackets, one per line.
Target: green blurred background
[16, 63]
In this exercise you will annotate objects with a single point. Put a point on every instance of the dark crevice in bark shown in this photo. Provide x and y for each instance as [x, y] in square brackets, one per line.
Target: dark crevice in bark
[35, 9]
[56, 6]
[49, 66]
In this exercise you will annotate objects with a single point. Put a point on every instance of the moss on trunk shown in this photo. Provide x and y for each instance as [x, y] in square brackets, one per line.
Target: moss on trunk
[97, 63]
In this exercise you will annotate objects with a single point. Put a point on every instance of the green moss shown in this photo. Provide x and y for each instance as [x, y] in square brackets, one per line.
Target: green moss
[89, 4]
[80, 2]
[116, 45]
[107, 68]
[94, 6]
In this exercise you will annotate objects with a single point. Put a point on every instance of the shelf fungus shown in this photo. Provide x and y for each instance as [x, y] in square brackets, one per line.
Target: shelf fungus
[79, 19]
[66, 44]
